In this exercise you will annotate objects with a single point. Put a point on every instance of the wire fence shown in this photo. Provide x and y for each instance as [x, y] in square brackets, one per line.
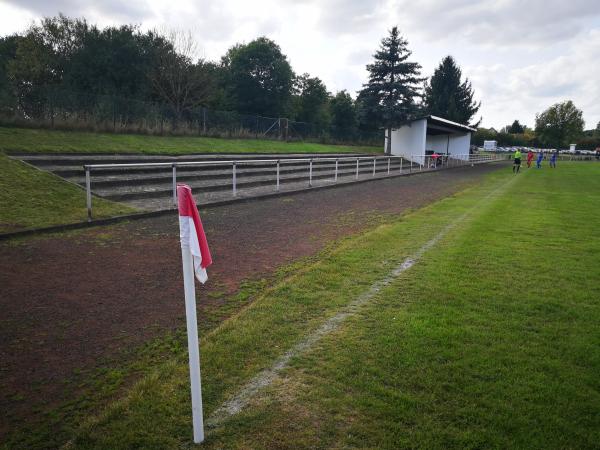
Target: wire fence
[62, 109]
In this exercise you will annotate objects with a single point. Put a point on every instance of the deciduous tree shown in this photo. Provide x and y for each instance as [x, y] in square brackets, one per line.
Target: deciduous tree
[343, 115]
[312, 101]
[559, 125]
[8, 52]
[177, 79]
[260, 77]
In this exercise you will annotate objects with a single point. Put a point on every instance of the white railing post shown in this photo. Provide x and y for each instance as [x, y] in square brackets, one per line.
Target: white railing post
[389, 162]
[357, 168]
[175, 184]
[310, 162]
[88, 193]
[401, 159]
[374, 163]
[234, 180]
[336, 170]
[278, 175]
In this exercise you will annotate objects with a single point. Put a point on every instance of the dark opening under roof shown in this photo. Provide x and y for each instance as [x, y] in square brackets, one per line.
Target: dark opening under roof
[441, 123]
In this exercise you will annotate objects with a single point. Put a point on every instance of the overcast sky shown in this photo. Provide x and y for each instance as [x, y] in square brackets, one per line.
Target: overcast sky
[521, 56]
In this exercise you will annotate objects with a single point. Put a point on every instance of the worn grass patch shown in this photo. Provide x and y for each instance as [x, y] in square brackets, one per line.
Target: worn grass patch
[53, 141]
[30, 198]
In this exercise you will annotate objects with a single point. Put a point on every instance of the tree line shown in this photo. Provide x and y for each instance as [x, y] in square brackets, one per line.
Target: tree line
[556, 127]
[69, 55]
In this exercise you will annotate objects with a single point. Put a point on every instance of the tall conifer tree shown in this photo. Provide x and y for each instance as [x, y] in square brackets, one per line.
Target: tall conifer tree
[394, 84]
[447, 97]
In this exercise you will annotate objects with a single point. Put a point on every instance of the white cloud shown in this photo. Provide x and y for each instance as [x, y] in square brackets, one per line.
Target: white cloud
[131, 10]
[510, 93]
[340, 17]
[499, 23]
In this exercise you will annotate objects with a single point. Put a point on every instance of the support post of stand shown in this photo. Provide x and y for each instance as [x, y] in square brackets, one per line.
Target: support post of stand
[88, 193]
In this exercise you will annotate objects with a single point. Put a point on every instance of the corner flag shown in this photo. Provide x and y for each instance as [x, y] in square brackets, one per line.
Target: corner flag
[195, 257]
[192, 232]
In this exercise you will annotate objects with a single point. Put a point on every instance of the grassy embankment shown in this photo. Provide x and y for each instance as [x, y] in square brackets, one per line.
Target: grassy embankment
[491, 340]
[52, 141]
[30, 198]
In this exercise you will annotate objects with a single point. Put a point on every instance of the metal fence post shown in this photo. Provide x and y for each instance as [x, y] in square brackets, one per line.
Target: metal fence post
[336, 170]
[175, 184]
[88, 193]
[374, 163]
[278, 175]
[401, 164]
[234, 170]
[310, 172]
[389, 161]
[357, 168]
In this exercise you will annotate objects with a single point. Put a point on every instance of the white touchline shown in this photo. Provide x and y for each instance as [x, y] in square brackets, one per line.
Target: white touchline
[238, 402]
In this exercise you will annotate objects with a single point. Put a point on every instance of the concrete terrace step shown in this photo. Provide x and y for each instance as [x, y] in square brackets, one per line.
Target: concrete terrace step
[134, 177]
[79, 159]
[77, 173]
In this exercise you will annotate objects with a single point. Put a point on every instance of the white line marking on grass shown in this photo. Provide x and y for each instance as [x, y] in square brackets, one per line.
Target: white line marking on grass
[267, 376]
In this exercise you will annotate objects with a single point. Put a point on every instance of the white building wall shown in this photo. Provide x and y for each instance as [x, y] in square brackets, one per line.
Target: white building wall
[459, 146]
[409, 141]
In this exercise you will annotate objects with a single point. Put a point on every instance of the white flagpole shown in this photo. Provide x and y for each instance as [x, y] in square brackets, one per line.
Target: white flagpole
[193, 346]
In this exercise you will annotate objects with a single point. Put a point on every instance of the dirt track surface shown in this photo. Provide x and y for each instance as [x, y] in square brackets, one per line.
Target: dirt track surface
[69, 301]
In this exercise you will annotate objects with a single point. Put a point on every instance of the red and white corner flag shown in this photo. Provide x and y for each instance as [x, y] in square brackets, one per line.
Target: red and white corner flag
[192, 232]
[196, 258]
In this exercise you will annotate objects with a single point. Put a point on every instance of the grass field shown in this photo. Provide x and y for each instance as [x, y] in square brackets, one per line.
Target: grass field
[52, 141]
[490, 340]
[30, 198]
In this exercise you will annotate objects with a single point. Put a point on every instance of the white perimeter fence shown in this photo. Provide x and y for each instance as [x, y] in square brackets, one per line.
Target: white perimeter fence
[430, 163]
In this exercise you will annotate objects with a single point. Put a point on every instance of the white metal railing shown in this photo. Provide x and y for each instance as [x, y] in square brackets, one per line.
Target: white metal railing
[442, 161]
